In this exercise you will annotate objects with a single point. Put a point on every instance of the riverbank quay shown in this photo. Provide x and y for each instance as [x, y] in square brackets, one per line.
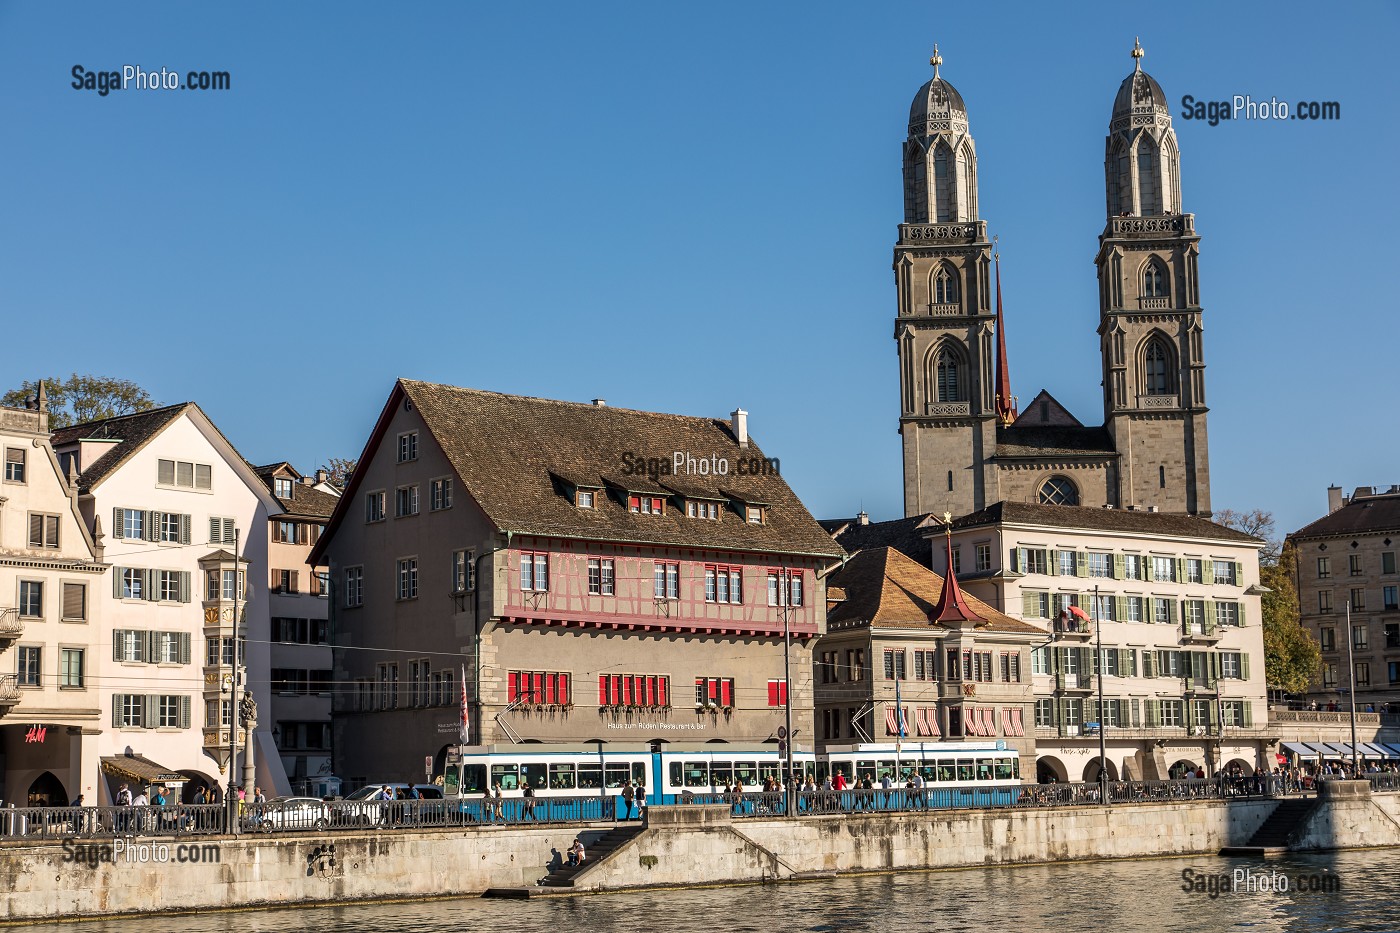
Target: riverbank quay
[696, 844]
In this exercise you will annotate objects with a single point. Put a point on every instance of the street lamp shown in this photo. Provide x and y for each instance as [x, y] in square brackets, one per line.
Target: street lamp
[1351, 679]
[1103, 741]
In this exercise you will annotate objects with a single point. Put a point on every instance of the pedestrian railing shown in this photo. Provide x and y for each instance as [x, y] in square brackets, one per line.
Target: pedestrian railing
[1384, 782]
[67, 822]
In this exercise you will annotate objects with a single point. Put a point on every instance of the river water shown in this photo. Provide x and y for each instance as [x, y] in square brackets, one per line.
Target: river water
[1145, 895]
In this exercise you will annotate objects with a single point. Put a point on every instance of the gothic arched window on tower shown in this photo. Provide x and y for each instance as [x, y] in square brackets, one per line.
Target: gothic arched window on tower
[945, 286]
[1154, 280]
[943, 185]
[1058, 490]
[1156, 374]
[947, 371]
[1149, 181]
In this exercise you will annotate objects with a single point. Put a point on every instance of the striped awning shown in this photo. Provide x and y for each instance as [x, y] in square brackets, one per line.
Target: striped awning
[1299, 750]
[1377, 750]
[1322, 750]
[140, 769]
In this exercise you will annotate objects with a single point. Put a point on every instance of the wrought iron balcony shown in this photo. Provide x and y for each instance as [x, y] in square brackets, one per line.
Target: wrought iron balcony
[9, 693]
[1200, 633]
[11, 625]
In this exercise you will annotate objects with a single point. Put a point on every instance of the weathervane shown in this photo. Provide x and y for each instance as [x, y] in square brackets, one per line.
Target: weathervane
[1138, 51]
[935, 60]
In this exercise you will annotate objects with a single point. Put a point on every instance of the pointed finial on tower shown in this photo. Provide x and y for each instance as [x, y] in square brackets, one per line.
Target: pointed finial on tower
[951, 607]
[935, 60]
[41, 398]
[1138, 52]
[1005, 402]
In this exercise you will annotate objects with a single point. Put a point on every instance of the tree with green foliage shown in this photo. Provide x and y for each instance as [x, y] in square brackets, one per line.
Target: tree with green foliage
[1292, 658]
[82, 398]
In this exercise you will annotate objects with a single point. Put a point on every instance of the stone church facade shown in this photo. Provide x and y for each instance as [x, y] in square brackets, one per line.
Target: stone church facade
[966, 446]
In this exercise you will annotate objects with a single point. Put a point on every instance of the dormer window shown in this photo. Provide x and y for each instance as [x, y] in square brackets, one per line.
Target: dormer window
[646, 505]
[282, 488]
[706, 510]
[753, 514]
[584, 499]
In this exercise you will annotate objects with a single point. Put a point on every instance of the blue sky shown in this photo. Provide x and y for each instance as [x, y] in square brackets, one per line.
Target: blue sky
[681, 208]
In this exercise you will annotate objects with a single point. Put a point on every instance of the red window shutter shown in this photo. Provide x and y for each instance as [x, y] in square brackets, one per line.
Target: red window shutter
[549, 688]
[537, 687]
[665, 691]
[772, 693]
[634, 503]
[563, 691]
[512, 687]
[726, 692]
[785, 694]
[650, 698]
[603, 690]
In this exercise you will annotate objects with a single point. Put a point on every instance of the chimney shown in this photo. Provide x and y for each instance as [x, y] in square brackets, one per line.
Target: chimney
[1152, 508]
[600, 403]
[1334, 499]
[1362, 492]
[322, 476]
[862, 518]
[306, 481]
[741, 426]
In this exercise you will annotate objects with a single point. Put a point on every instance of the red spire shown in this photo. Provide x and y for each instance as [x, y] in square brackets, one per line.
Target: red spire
[1006, 405]
[951, 605]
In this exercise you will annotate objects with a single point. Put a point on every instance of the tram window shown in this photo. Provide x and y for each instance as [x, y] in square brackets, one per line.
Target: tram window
[508, 776]
[533, 773]
[865, 769]
[1004, 769]
[721, 772]
[1016, 768]
[769, 769]
[947, 772]
[746, 772]
[906, 770]
[697, 774]
[561, 776]
[984, 769]
[639, 773]
[590, 775]
[966, 772]
[823, 772]
[675, 774]
[617, 773]
[473, 779]
[886, 767]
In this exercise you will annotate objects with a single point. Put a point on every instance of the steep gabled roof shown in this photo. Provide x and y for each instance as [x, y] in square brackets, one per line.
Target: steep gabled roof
[1108, 520]
[133, 431]
[888, 590]
[307, 501]
[509, 451]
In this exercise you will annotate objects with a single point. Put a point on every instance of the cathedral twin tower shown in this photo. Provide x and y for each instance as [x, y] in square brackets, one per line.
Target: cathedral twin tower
[966, 446]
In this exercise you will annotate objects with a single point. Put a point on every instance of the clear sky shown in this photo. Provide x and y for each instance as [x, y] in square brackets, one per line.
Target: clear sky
[682, 207]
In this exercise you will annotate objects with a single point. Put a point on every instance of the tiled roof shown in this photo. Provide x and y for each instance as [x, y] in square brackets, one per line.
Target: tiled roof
[507, 449]
[1110, 520]
[886, 589]
[1054, 441]
[134, 431]
[903, 534]
[309, 501]
[1361, 516]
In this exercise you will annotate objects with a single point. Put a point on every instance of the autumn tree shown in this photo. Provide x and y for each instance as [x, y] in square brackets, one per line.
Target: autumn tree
[81, 398]
[1292, 657]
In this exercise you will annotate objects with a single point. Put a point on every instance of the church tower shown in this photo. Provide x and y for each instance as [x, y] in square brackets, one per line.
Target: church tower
[945, 328]
[1150, 310]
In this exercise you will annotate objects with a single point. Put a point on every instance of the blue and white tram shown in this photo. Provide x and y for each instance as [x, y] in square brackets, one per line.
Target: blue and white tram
[954, 774]
[683, 773]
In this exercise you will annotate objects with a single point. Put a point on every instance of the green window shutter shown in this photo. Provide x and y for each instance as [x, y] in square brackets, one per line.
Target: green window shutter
[1239, 613]
[118, 522]
[1054, 563]
[1144, 568]
[1207, 570]
[1248, 717]
[149, 578]
[1214, 668]
[1210, 616]
[1064, 714]
[1081, 563]
[1213, 715]
[118, 700]
[1120, 608]
[1149, 669]
[151, 526]
[1172, 611]
[116, 583]
[184, 529]
[1180, 570]
[151, 719]
[1244, 665]
[1150, 714]
[185, 648]
[1018, 560]
[152, 646]
[184, 712]
[1123, 662]
[1239, 574]
[117, 644]
[1030, 605]
[1117, 566]
[184, 586]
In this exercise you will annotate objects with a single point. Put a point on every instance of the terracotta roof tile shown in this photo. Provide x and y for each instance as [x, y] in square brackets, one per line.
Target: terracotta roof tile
[1368, 515]
[1110, 520]
[133, 431]
[905, 535]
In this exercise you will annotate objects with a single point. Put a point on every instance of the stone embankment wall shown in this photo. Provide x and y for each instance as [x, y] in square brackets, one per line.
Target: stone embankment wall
[682, 845]
[1350, 817]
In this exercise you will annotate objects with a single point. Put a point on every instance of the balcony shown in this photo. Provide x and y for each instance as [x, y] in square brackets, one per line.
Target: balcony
[1152, 226]
[1199, 633]
[9, 693]
[1073, 629]
[1074, 683]
[11, 625]
[1158, 402]
[965, 232]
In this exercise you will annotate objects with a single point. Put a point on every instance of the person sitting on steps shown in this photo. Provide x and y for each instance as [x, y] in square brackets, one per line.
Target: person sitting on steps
[576, 853]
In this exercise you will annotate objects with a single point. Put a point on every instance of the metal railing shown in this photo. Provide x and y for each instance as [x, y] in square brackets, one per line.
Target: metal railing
[1384, 782]
[66, 822]
[9, 689]
[11, 625]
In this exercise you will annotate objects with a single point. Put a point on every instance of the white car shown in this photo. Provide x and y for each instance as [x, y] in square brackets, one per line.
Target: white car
[291, 813]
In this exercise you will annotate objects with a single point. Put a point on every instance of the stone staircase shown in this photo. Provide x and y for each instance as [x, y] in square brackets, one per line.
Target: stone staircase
[563, 876]
[1287, 816]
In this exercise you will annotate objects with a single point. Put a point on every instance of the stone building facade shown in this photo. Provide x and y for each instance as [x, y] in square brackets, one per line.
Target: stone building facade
[537, 551]
[965, 444]
[1345, 570]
